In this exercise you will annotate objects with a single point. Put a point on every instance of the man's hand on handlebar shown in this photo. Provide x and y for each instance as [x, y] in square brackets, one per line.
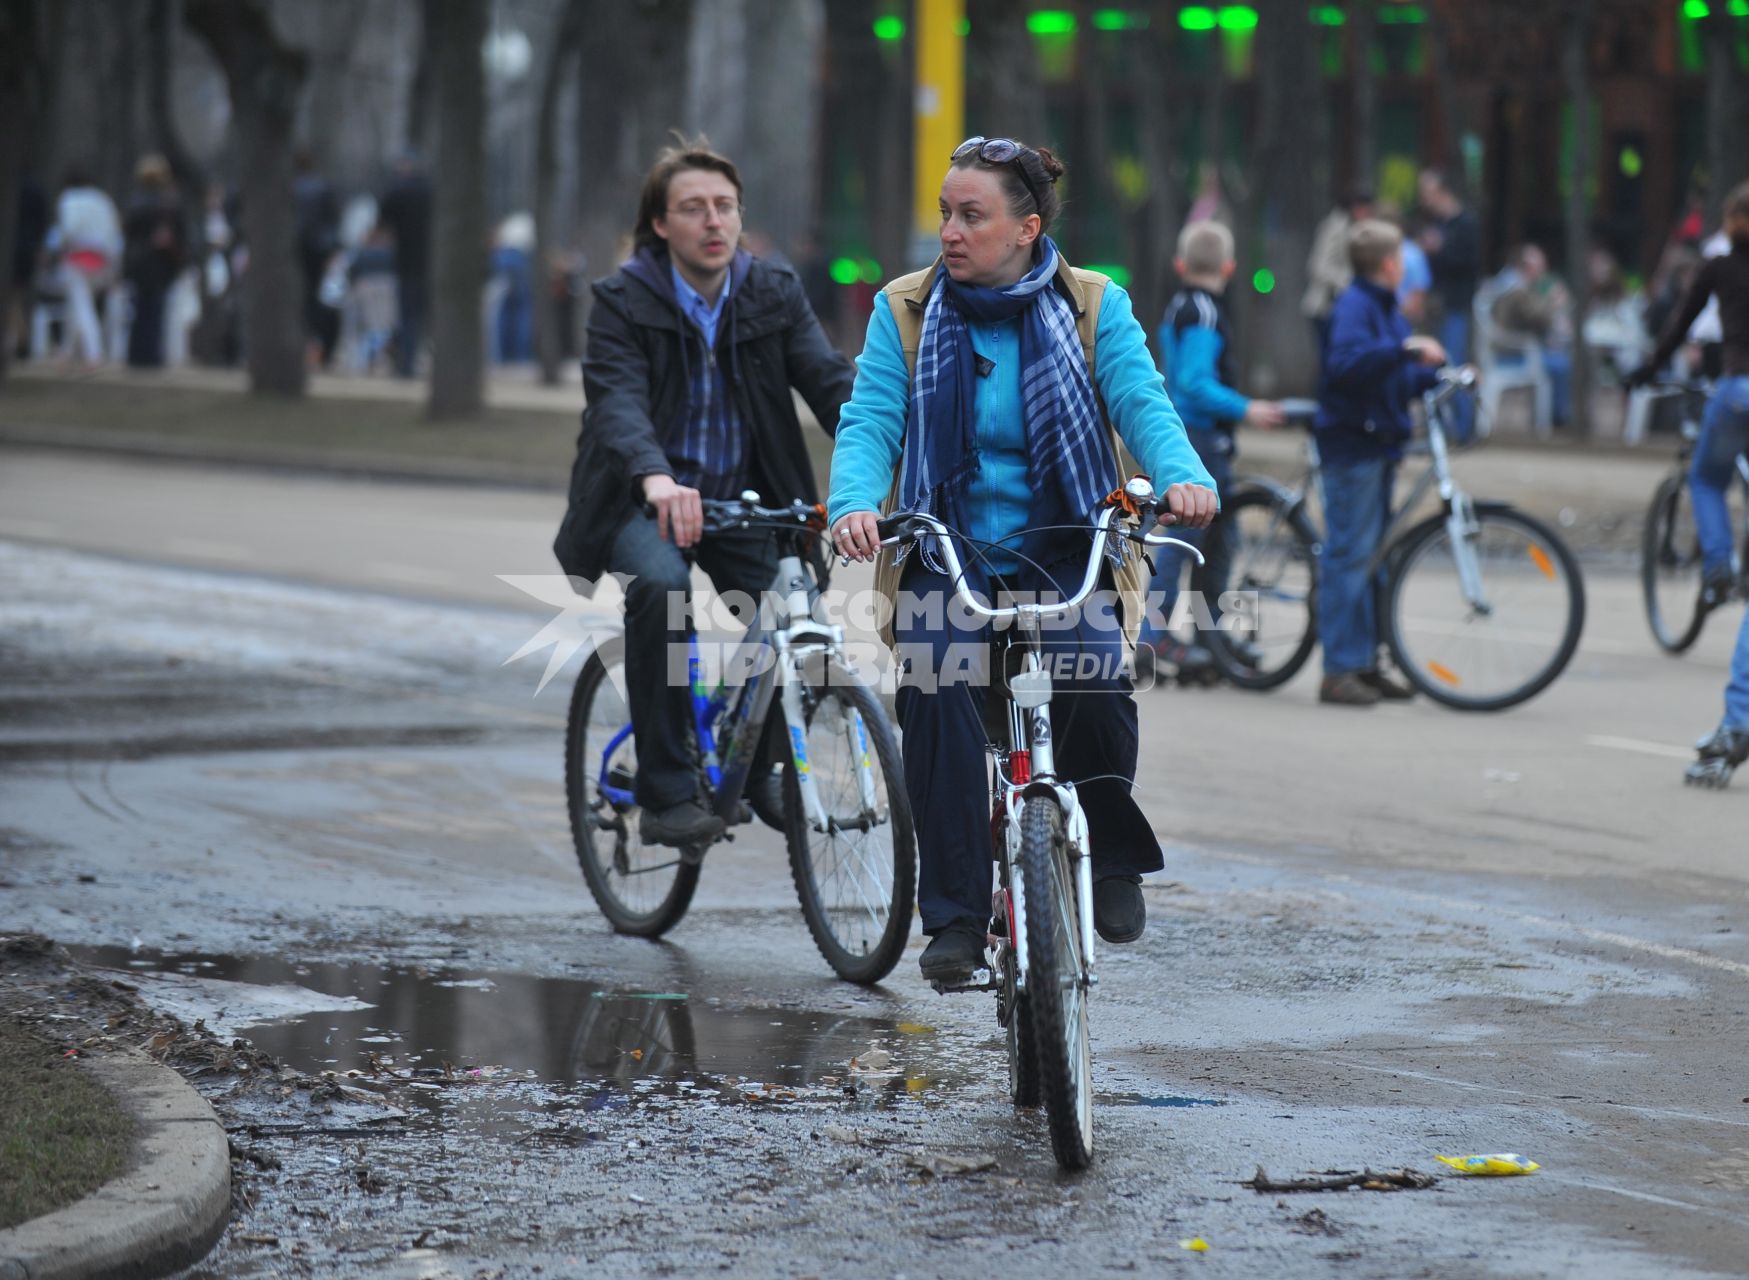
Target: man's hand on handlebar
[857, 535]
[1427, 350]
[679, 510]
[1190, 506]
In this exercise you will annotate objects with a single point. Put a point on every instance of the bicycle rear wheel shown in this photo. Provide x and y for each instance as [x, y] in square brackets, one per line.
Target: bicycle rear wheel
[858, 878]
[1056, 995]
[641, 889]
[1274, 559]
[1488, 659]
[1670, 567]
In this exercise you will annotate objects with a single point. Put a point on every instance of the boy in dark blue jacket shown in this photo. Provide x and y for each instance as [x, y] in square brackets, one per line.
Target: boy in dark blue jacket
[1373, 368]
[1197, 348]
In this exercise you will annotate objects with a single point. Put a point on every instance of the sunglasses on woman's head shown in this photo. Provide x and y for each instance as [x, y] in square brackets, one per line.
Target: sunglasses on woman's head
[998, 151]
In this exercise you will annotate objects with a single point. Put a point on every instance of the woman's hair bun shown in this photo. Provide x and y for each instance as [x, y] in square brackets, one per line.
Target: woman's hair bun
[1048, 161]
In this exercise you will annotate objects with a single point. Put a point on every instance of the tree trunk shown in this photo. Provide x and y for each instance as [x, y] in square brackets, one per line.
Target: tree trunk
[546, 169]
[190, 180]
[1155, 224]
[18, 22]
[781, 135]
[1445, 149]
[1003, 97]
[1364, 121]
[265, 77]
[1575, 56]
[419, 90]
[1725, 120]
[458, 231]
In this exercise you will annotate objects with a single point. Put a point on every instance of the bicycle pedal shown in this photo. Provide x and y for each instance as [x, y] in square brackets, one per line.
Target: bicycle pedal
[980, 980]
[691, 855]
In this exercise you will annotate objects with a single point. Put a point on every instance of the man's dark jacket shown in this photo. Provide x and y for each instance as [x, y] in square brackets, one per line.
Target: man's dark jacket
[1369, 378]
[635, 385]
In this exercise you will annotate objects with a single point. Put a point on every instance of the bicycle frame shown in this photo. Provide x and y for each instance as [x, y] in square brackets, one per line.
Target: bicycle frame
[730, 722]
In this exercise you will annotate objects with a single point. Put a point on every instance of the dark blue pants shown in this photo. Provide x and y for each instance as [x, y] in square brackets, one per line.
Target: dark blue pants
[1357, 512]
[659, 576]
[941, 714]
[1215, 448]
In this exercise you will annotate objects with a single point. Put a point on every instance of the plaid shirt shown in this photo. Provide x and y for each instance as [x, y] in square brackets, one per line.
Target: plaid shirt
[710, 454]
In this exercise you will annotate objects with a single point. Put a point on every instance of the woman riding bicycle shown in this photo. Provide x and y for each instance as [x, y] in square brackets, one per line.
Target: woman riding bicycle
[991, 392]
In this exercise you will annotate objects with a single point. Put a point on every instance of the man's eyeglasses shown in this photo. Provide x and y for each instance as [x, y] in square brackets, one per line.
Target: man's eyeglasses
[998, 151]
[696, 210]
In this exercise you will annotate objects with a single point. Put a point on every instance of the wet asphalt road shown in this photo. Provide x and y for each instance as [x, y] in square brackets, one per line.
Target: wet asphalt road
[338, 811]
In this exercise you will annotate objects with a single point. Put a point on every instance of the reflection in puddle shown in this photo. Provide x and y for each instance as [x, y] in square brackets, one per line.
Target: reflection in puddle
[1153, 1100]
[552, 1029]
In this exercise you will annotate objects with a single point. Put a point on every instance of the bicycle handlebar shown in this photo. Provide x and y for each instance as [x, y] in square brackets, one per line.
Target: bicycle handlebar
[745, 511]
[908, 526]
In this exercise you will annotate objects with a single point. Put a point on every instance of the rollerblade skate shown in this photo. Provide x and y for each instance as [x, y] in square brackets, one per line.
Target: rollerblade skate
[1720, 754]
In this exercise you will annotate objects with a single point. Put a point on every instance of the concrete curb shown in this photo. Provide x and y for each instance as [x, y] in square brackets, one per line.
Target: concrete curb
[357, 466]
[165, 1212]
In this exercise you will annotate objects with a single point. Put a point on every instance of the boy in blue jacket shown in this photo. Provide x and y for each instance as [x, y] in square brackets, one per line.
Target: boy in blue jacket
[1197, 347]
[1373, 368]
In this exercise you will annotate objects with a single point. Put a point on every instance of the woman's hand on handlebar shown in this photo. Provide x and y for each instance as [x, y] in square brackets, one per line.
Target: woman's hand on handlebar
[857, 535]
[679, 510]
[1190, 506]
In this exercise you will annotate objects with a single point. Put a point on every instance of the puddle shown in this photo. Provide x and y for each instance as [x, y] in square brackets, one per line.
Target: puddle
[327, 1017]
[1161, 1100]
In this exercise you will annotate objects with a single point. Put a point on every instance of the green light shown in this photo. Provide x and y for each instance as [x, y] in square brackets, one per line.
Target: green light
[1120, 275]
[1738, 8]
[1123, 20]
[868, 271]
[963, 28]
[1328, 15]
[1197, 18]
[1695, 9]
[1409, 14]
[845, 271]
[1264, 280]
[889, 28]
[1631, 162]
[1237, 17]
[1051, 22]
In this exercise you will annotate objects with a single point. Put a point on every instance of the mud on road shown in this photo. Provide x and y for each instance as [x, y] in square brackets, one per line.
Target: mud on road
[331, 825]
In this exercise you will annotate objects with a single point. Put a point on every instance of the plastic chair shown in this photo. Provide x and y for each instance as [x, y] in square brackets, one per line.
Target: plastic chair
[1524, 372]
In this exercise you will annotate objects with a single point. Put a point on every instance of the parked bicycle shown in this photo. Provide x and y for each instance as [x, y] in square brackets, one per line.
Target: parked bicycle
[1670, 559]
[1039, 946]
[845, 815]
[1481, 605]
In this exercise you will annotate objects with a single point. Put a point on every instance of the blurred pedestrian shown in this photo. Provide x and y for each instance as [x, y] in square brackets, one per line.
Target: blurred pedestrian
[405, 210]
[156, 251]
[1373, 368]
[1534, 307]
[318, 211]
[28, 237]
[86, 241]
[1328, 271]
[1453, 244]
[513, 276]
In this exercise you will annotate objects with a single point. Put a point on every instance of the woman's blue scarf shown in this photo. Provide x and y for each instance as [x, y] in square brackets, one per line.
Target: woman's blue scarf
[1070, 466]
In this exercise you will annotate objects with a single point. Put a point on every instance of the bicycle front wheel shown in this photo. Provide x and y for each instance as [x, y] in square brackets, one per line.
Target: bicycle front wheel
[1275, 564]
[1508, 645]
[641, 889]
[1056, 994]
[855, 873]
[1670, 567]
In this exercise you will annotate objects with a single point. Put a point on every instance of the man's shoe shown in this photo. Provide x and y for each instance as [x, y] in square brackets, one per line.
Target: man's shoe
[1716, 589]
[1389, 688]
[1119, 914]
[764, 795]
[1347, 690]
[686, 823]
[954, 954]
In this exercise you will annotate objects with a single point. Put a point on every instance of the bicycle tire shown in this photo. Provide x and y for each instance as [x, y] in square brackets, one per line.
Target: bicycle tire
[1423, 645]
[1277, 558]
[597, 712]
[1054, 990]
[1023, 1085]
[819, 861]
[1670, 567]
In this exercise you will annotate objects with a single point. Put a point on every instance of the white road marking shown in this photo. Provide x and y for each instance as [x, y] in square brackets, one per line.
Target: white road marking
[1661, 749]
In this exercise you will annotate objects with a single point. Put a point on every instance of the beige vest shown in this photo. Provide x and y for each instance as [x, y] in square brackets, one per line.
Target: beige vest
[908, 296]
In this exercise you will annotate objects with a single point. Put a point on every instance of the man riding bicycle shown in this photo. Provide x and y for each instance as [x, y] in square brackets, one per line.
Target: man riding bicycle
[692, 348]
[1724, 435]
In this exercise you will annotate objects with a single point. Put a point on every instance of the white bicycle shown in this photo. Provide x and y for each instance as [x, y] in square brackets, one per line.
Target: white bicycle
[1039, 944]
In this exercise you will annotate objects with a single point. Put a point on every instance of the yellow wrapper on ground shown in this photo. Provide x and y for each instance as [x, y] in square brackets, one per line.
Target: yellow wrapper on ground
[1498, 1166]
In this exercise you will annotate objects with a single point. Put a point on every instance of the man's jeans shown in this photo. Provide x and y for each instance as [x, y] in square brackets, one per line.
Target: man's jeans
[1737, 691]
[1454, 336]
[659, 577]
[1723, 435]
[1215, 448]
[1357, 510]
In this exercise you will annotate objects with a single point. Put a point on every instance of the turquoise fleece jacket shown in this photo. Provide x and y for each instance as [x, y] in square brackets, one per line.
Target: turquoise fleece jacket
[871, 426]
